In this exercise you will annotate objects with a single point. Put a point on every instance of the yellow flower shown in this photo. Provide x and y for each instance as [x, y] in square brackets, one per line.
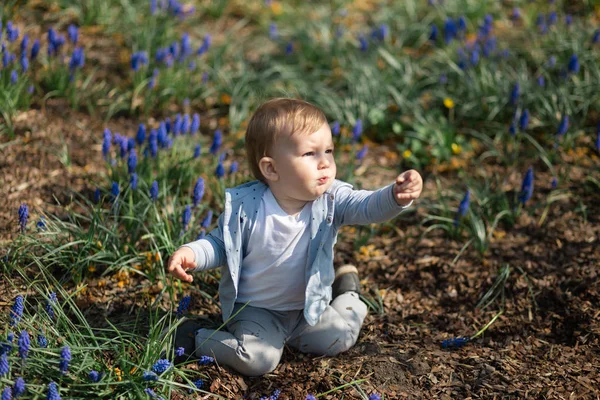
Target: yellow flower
[99, 244]
[406, 153]
[121, 284]
[92, 268]
[225, 98]
[448, 103]
[456, 149]
[119, 374]
[276, 8]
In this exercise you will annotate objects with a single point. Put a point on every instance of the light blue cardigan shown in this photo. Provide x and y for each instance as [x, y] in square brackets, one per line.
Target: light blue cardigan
[225, 245]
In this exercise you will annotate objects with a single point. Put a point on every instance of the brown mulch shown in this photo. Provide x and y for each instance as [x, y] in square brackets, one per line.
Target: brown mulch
[544, 345]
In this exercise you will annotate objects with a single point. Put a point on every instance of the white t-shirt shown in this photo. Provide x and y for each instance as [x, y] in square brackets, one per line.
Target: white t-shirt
[273, 269]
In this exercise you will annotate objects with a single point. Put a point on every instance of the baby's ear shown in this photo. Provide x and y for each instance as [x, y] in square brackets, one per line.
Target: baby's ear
[267, 168]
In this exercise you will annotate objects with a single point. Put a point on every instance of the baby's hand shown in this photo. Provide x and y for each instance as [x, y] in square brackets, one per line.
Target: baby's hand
[408, 187]
[182, 260]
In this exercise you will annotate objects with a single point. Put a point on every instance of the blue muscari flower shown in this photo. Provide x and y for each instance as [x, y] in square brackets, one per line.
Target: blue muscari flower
[24, 63]
[132, 161]
[195, 124]
[30, 89]
[161, 366]
[374, 396]
[552, 61]
[130, 144]
[554, 183]
[568, 19]
[65, 358]
[153, 143]
[97, 195]
[14, 77]
[524, 120]
[527, 187]
[363, 44]
[335, 128]
[154, 191]
[124, 146]
[140, 136]
[474, 57]
[52, 299]
[516, 14]
[233, 167]
[362, 152]
[17, 309]
[77, 59]
[573, 65]
[186, 217]
[53, 392]
[5, 58]
[133, 181]
[35, 49]
[12, 33]
[168, 125]
[199, 383]
[220, 170]
[433, 34]
[454, 342]
[7, 394]
[94, 376]
[462, 24]
[42, 341]
[24, 44]
[273, 31]
[185, 124]
[106, 147]
[186, 47]
[41, 224]
[357, 130]
[73, 33]
[463, 207]
[512, 129]
[217, 141]
[596, 37]
[197, 151]
[24, 342]
[152, 7]
[310, 397]
[489, 46]
[179, 351]
[443, 79]
[205, 77]
[207, 220]
[201, 235]
[177, 125]
[450, 30]
[552, 18]
[205, 45]
[184, 304]
[4, 364]
[114, 190]
[19, 387]
[151, 393]
[563, 126]
[149, 376]
[289, 48]
[205, 360]
[23, 216]
[541, 81]
[514, 94]
[138, 59]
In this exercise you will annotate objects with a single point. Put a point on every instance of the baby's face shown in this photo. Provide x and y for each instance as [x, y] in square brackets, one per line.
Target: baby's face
[305, 164]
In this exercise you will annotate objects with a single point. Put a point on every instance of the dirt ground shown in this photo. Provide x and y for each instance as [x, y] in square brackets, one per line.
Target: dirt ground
[544, 346]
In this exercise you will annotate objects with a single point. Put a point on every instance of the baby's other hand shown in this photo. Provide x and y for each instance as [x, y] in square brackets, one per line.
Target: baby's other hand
[182, 260]
[408, 187]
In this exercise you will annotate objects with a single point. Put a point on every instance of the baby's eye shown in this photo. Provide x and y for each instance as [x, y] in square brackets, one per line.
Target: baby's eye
[329, 151]
[310, 153]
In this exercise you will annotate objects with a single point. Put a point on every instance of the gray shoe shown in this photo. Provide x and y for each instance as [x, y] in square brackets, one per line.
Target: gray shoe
[184, 335]
[346, 280]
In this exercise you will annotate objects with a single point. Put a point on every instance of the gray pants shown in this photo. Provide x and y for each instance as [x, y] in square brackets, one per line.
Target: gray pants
[255, 337]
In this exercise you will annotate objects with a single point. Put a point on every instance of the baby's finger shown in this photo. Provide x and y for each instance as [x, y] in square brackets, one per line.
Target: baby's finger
[179, 273]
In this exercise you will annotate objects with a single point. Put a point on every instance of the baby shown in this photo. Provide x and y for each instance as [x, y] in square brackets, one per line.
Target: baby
[274, 243]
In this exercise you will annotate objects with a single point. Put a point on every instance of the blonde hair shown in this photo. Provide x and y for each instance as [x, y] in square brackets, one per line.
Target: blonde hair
[275, 118]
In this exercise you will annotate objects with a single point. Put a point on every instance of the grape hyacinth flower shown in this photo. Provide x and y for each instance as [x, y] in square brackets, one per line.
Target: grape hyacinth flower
[19, 387]
[149, 376]
[217, 141]
[207, 220]
[198, 192]
[527, 187]
[24, 342]
[185, 124]
[220, 170]
[132, 161]
[35, 49]
[554, 183]
[24, 64]
[541, 81]
[363, 44]
[289, 48]
[310, 397]
[233, 168]
[42, 341]
[514, 94]
[524, 120]
[362, 153]
[433, 33]
[97, 195]
[161, 366]
[106, 147]
[24, 44]
[454, 342]
[114, 190]
[195, 127]
[14, 77]
[596, 37]
[52, 299]
[94, 376]
[205, 360]
[512, 129]
[450, 30]
[141, 134]
[53, 392]
[73, 34]
[374, 396]
[7, 346]
[573, 65]
[516, 14]
[273, 31]
[154, 191]
[179, 351]
[41, 224]
[17, 309]
[563, 126]
[138, 59]
[4, 364]
[65, 358]
[335, 128]
[357, 130]
[7, 394]
[184, 304]
[133, 181]
[197, 151]
[199, 383]
[186, 217]
[463, 207]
